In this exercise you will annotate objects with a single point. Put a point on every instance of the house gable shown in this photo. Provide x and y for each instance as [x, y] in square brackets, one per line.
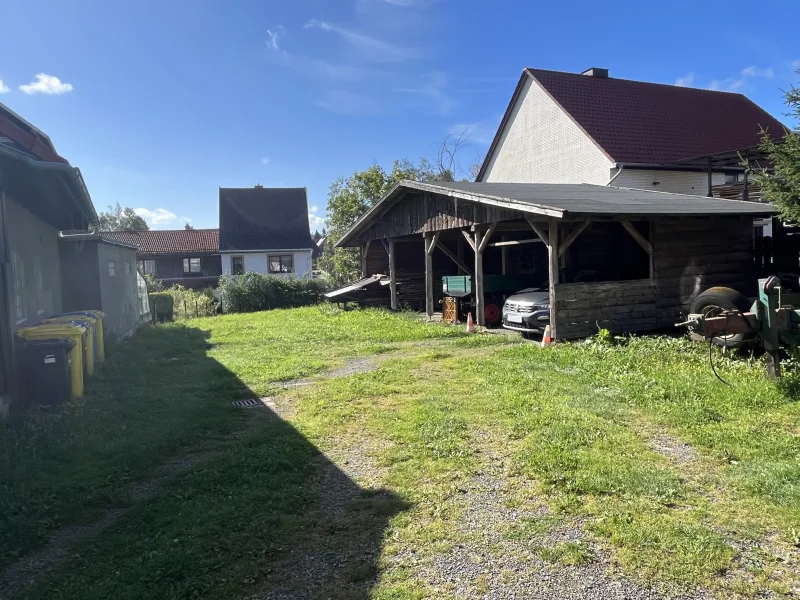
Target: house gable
[539, 142]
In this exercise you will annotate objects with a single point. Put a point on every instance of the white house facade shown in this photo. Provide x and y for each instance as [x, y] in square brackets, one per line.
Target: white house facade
[280, 263]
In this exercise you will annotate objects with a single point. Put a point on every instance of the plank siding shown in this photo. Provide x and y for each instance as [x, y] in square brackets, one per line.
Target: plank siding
[619, 306]
[693, 254]
[423, 212]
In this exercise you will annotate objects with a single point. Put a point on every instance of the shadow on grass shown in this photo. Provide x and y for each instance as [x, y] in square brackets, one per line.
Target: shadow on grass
[263, 515]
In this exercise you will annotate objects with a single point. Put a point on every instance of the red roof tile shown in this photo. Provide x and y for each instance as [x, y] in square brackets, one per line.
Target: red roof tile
[169, 241]
[653, 123]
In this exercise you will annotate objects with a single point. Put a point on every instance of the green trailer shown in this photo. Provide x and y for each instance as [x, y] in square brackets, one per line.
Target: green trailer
[495, 290]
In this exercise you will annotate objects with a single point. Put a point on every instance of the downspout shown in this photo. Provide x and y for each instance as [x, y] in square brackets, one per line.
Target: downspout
[621, 166]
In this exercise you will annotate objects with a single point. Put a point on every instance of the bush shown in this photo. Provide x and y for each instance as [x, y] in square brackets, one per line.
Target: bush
[252, 292]
[161, 306]
[190, 303]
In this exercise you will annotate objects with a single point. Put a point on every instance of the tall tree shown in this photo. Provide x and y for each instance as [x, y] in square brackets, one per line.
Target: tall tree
[782, 185]
[351, 197]
[117, 218]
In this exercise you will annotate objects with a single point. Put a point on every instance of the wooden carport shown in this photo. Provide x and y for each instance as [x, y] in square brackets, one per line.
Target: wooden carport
[656, 250]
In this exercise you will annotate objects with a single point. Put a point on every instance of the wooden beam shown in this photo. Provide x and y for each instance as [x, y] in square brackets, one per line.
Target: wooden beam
[517, 242]
[395, 304]
[385, 245]
[432, 242]
[640, 239]
[364, 253]
[427, 237]
[485, 238]
[454, 258]
[478, 282]
[552, 254]
[567, 242]
[503, 255]
[537, 227]
[468, 237]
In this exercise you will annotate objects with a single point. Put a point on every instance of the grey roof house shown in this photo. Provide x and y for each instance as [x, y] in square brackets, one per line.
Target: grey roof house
[265, 230]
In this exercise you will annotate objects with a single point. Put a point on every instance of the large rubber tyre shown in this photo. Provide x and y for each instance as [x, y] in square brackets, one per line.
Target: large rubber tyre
[715, 300]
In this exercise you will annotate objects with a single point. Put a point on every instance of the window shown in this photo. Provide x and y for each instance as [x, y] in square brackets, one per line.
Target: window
[112, 268]
[18, 274]
[147, 267]
[237, 265]
[191, 265]
[38, 282]
[283, 263]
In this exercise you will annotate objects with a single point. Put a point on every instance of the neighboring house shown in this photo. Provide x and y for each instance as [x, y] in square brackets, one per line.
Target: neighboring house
[189, 257]
[42, 196]
[265, 230]
[592, 128]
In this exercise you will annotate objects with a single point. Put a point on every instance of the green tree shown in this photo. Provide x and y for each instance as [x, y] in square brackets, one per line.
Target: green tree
[781, 186]
[117, 218]
[351, 197]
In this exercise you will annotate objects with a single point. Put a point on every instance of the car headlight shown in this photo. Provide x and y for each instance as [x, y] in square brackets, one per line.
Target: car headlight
[543, 306]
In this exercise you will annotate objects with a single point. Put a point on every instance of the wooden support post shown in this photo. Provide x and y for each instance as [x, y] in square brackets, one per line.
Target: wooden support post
[469, 240]
[428, 238]
[537, 227]
[485, 238]
[646, 245]
[364, 253]
[478, 281]
[459, 261]
[395, 304]
[567, 242]
[553, 271]
[503, 257]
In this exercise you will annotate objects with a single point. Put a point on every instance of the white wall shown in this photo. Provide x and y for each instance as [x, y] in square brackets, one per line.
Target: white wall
[257, 262]
[678, 182]
[542, 144]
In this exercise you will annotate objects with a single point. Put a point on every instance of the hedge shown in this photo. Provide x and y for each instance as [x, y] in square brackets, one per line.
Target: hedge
[188, 304]
[253, 292]
[161, 306]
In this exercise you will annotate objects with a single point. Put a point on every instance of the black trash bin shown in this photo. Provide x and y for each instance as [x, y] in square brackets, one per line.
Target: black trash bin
[48, 365]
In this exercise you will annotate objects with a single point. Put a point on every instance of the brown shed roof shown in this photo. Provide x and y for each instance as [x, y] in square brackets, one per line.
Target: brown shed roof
[651, 123]
[169, 241]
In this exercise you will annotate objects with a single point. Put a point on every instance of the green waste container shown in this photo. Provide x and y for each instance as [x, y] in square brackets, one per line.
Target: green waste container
[64, 331]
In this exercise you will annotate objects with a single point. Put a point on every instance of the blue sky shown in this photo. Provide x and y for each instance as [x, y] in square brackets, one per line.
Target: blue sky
[160, 103]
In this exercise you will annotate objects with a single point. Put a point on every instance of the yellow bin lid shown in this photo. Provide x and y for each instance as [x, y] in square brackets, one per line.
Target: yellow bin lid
[52, 330]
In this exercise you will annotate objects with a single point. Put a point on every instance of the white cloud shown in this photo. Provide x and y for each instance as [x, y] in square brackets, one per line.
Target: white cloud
[480, 133]
[370, 48]
[316, 223]
[311, 67]
[159, 216]
[729, 84]
[4, 89]
[350, 104]
[796, 64]
[431, 94]
[314, 209]
[46, 84]
[758, 72]
[265, 160]
[685, 81]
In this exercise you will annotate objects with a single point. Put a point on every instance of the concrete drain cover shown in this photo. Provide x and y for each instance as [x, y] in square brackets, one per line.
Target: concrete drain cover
[246, 403]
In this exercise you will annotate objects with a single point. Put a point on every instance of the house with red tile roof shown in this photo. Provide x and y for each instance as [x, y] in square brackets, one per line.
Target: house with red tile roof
[189, 257]
[592, 128]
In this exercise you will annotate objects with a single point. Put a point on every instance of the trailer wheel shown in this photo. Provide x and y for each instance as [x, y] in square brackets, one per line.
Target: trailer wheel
[491, 314]
[713, 302]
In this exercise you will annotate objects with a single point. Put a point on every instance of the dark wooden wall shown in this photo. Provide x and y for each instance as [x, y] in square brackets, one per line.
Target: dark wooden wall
[422, 212]
[690, 256]
[619, 306]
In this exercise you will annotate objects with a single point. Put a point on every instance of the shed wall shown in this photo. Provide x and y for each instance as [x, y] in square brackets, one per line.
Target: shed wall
[118, 291]
[694, 183]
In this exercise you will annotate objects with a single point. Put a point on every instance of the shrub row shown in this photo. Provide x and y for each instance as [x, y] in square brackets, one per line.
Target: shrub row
[252, 292]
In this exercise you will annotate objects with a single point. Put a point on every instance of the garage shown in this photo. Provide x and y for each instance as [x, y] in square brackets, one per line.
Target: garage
[613, 258]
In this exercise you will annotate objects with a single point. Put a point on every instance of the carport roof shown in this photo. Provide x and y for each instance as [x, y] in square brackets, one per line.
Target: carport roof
[563, 200]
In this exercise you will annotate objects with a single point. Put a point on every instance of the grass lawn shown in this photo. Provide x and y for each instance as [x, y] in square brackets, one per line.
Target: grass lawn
[660, 474]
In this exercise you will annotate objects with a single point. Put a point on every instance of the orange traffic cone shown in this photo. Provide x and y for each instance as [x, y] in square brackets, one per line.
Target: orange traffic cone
[470, 324]
[546, 337]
